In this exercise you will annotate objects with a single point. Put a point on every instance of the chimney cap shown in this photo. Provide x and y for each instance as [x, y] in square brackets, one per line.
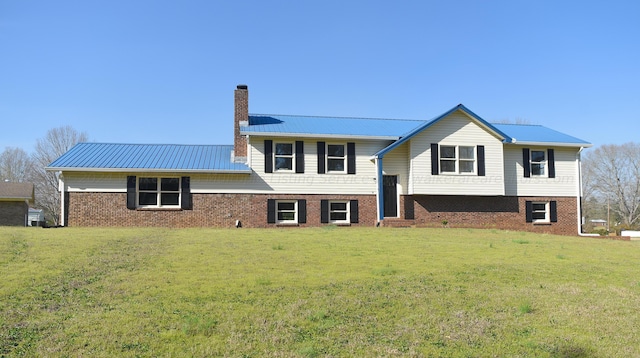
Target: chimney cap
[242, 87]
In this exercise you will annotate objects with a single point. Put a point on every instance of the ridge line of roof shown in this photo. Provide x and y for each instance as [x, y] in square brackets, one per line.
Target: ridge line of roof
[338, 117]
[161, 144]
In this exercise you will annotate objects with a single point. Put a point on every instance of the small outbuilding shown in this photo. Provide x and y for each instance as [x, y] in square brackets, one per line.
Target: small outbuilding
[14, 203]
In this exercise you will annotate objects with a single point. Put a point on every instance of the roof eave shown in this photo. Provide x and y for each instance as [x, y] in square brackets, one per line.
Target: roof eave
[150, 170]
[317, 135]
[552, 144]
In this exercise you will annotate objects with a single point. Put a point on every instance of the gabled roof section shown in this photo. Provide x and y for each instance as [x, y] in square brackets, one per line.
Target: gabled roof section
[486, 125]
[100, 157]
[526, 134]
[16, 191]
[338, 127]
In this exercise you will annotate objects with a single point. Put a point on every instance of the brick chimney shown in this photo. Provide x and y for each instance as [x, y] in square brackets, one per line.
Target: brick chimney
[241, 118]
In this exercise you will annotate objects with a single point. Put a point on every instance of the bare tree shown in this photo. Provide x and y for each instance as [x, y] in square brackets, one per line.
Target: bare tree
[612, 174]
[56, 142]
[15, 165]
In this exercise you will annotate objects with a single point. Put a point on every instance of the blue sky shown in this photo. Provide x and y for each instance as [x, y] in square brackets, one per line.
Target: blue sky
[164, 71]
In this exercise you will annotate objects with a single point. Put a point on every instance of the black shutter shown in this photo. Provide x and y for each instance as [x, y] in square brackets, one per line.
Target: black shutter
[324, 211]
[434, 159]
[186, 203]
[551, 163]
[481, 170]
[351, 158]
[299, 156]
[302, 211]
[553, 211]
[321, 158]
[529, 211]
[353, 211]
[526, 162]
[271, 211]
[268, 156]
[131, 192]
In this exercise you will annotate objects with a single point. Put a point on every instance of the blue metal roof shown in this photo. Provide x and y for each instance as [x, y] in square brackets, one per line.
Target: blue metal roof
[149, 157]
[304, 126]
[537, 134]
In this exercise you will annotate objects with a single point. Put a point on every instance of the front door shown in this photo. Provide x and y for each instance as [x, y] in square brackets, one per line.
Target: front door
[390, 195]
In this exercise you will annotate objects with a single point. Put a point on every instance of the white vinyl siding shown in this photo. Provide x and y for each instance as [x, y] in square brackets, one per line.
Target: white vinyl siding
[565, 182]
[456, 130]
[396, 162]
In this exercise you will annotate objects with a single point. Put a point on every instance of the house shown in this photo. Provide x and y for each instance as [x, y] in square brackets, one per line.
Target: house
[36, 217]
[310, 171]
[14, 203]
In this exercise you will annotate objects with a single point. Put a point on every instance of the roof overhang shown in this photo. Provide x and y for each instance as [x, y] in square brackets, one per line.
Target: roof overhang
[551, 144]
[149, 170]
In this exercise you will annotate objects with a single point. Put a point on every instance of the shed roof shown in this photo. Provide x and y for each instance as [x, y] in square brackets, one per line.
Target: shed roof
[149, 157]
[537, 134]
[16, 191]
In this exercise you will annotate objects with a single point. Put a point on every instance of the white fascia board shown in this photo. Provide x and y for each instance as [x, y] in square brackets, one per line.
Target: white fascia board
[552, 144]
[313, 135]
[147, 170]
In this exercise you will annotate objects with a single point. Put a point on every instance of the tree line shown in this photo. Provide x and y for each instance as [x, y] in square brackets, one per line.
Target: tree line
[16, 165]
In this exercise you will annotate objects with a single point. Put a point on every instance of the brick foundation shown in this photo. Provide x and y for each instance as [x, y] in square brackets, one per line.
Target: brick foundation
[505, 213]
[13, 213]
[222, 210]
[209, 210]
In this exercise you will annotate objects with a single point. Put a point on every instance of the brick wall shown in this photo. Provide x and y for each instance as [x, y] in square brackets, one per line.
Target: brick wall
[209, 210]
[12, 213]
[506, 213]
[222, 210]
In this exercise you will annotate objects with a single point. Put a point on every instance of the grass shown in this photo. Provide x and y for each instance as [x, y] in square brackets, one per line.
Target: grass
[315, 293]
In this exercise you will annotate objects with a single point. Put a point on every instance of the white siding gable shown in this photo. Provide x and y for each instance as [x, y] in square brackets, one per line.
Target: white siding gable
[460, 130]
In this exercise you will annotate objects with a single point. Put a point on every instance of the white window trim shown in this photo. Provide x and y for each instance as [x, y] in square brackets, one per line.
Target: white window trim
[347, 219]
[547, 216]
[344, 159]
[544, 163]
[292, 156]
[457, 159]
[158, 192]
[295, 212]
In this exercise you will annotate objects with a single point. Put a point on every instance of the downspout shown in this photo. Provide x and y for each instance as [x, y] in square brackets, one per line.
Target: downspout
[61, 189]
[379, 191]
[579, 196]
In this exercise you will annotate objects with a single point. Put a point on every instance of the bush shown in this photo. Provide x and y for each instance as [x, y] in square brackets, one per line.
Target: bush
[601, 231]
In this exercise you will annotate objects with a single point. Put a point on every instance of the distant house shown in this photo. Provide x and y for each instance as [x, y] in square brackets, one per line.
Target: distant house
[312, 171]
[598, 223]
[14, 203]
[36, 217]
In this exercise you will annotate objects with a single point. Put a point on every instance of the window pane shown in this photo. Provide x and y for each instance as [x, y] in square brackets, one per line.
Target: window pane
[284, 149]
[537, 169]
[284, 163]
[539, 207]
[447, 166]
[148, 199]
[170, 184]
[466, 152]
[286, 206]
[285, 216]
[338, 216]
[539, 216]
[169, 198]
[537, 156]
[338, 206]
[148, 183]
[335, 165]
[447, 152]
[334, 150]
[466, 167]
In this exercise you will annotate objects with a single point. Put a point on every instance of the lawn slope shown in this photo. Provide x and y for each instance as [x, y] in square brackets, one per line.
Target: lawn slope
[316, 292]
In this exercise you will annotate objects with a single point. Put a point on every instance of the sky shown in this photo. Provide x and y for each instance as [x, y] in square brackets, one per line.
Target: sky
[161, 71]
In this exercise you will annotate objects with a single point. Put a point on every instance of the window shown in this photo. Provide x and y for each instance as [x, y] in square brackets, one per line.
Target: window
[538, 162]
[286, 211]
[335, 158]
[457, 159]
[158, 192]
[339, 211]
[283, 156]
[540, 212]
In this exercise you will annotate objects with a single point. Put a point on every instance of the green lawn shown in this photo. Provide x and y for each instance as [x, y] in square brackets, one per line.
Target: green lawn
[316, 292]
